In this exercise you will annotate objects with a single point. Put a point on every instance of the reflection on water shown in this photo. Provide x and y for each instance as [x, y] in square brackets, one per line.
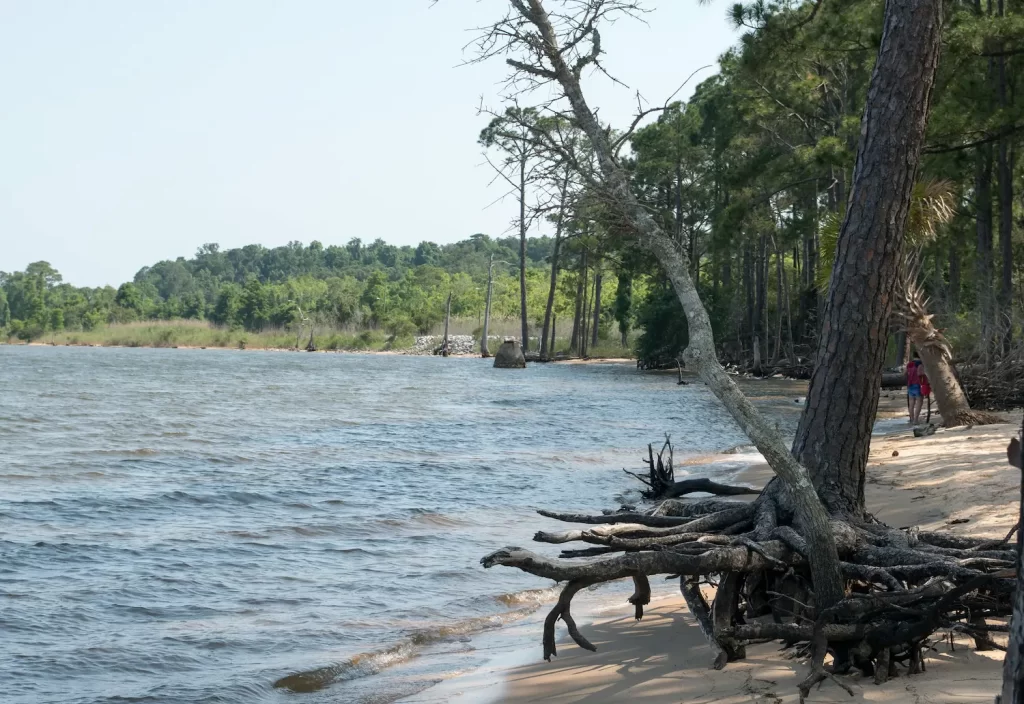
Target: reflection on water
[194, 526]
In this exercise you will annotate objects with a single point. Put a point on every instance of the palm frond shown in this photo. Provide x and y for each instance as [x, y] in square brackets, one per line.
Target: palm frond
[932, 204]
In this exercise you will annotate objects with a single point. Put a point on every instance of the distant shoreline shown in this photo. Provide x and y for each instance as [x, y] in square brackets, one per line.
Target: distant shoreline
[409, 352]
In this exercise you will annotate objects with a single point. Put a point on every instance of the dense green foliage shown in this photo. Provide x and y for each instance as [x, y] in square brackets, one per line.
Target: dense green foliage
[401, 290]
[753, 171]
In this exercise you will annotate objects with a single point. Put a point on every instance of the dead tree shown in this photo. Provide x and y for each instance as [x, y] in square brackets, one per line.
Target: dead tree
[484, 348]
[545, 51]
[936, 355]
[444, 351]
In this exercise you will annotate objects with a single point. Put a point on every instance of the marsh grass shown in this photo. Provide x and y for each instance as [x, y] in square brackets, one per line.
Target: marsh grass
[197, 333]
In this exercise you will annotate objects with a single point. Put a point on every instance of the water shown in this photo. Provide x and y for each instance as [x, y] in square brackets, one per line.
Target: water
[186, 526]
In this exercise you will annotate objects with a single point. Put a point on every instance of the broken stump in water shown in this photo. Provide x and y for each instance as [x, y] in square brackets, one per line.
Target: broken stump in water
[510, 356]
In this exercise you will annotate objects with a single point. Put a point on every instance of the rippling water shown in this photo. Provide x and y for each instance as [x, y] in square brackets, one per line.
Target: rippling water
[189, 526]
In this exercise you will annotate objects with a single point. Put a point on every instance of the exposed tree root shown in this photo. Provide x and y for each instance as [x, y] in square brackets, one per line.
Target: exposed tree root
[661, 482]
[903, 587]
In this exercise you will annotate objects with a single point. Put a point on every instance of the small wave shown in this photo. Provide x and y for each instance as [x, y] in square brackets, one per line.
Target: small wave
[361, 665]
[422, 517]
[740, 450]
[247, 534]
[372, 662]
[529, 596]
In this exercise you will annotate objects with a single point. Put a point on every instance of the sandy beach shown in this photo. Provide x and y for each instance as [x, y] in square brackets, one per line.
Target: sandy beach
[956, 480]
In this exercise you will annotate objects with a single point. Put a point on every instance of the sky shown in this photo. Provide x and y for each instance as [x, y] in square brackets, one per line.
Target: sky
[132, 132]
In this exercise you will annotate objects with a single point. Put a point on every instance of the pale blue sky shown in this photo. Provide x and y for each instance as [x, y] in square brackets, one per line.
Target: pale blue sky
[136, 130]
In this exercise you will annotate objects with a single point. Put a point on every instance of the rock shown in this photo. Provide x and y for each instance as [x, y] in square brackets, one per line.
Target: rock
[510, 356]
[457, 344]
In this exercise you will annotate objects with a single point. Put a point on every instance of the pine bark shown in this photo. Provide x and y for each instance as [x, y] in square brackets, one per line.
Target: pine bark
[597, 307]
[761, 296]
[834, 433]
[1013, 664]
[484, 349]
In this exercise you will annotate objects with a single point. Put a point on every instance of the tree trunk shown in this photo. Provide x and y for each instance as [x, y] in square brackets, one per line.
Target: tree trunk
[554, 334]
[748, 292]
[779, 311]
[956, 247]
[1013, 663]
[574, 344]
[901, 349]
[484, 350]
[587, 299]
[1004, 324]
[983, 200]
[597, 305]
[522, 254]
[834, 433]
[787, 306]
[1005, 171]
[549, 308]
[447, 319]
[761, 294]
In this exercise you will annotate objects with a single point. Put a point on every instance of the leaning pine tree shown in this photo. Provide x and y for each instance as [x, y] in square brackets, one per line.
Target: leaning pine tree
[866, 593]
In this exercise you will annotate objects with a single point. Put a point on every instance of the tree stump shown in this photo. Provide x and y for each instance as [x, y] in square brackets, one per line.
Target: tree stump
[510, 356]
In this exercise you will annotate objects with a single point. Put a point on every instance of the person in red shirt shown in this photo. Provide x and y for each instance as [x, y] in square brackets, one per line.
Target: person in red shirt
[914, 397]
[926, 390]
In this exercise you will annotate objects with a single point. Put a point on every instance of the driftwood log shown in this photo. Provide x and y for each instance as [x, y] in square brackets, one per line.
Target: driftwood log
[661, 482]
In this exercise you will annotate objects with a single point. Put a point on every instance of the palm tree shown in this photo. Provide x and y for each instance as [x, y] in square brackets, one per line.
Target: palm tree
[931, 206]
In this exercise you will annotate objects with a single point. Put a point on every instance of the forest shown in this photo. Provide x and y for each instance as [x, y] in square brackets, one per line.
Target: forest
[399, 290]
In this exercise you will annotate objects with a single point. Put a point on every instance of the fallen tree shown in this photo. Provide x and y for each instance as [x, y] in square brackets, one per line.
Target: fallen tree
[937, 357]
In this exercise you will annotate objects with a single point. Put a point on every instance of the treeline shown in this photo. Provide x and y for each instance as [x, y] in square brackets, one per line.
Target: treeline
[399, 290]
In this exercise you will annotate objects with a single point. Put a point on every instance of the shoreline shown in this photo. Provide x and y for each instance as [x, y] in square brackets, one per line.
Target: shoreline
[955, 480]
[405, 352]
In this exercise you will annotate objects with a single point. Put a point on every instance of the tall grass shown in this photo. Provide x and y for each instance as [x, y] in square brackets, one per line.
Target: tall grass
[197, 333]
